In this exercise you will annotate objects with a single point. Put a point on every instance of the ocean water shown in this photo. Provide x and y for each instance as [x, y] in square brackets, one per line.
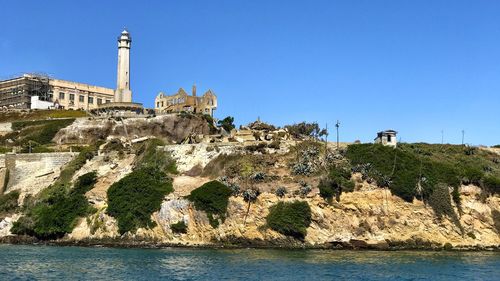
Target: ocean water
[78, 263]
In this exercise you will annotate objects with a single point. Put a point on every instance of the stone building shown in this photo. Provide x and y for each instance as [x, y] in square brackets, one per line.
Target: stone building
[18, 92]
[387, 137]
[33, 91]
[182, 101]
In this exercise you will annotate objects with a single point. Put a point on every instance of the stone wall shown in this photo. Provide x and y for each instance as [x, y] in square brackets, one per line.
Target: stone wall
[34, 171]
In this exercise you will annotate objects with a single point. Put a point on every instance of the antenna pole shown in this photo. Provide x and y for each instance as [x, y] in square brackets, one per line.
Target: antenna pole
[337, 125]
[442, 137]
[463, 136]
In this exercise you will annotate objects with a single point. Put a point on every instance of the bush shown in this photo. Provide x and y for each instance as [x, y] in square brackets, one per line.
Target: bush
[56, 209]
[338, 181]
[281, 192]
[492, 184]
[402, 169]
[227, 123]
[440, 202]
[472, 175]
[41, 131]
[150, 158]
[135, 197]
[58, 213]
[290, 218]
[179, 227]
[212, 198]
[304, 129]
[8, 202]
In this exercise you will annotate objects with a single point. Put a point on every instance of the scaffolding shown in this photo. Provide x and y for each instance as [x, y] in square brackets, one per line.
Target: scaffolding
[17, 92]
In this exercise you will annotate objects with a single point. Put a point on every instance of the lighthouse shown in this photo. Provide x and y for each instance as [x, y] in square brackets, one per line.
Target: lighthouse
[123, 92]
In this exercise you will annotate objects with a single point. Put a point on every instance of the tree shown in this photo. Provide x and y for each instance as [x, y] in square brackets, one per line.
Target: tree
[227, 123]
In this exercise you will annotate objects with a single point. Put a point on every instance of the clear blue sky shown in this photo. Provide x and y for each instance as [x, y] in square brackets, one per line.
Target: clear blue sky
[418, 67]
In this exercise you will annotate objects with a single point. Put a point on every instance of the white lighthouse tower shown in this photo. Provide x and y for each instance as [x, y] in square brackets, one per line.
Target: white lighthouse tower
[123, 92]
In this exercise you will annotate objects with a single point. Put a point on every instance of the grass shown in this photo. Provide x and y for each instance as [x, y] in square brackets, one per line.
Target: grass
[135, 197]
[290, 218]
[59, 212]
[11, 116]
[212, 198]
[150, 157]
[35, 133]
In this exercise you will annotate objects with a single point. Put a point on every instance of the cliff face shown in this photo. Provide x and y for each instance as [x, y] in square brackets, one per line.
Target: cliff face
[363, 219]
[368, 217]
[172, 128]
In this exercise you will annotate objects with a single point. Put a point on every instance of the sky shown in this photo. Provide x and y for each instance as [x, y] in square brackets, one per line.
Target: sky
[428, 69]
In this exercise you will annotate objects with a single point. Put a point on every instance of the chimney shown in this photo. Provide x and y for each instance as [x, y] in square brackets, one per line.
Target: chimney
[194, 90]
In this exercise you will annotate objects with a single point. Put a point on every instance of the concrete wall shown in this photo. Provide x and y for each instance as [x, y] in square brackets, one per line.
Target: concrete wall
[34, 171]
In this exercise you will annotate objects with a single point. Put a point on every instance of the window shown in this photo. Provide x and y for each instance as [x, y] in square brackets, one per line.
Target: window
[99, 101]
[161, 104]
[108, 101]
[71, 97]
[388, 138]
[61, 95]
[81, 98]
[157, 104]
[91, 100]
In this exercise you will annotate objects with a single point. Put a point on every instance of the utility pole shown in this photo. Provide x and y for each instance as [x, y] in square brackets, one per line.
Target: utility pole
[337, 125]
[463, 136]
[326, 140]
[442, 137]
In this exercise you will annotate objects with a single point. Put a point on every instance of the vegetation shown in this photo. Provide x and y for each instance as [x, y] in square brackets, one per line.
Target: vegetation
[35, 133]
[58, 213]
[402, 170]
[439, 201]
[290, 218]
[492, 184]
[212, 198]
[54, 212]
[11, 116]
[179, 227]
[304, 129]
[135, 197]
[8, 202]
[227, 123]
[337, 181]
[150, 158]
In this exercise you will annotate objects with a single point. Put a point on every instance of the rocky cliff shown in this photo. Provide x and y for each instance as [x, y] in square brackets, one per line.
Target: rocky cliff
[367, 217]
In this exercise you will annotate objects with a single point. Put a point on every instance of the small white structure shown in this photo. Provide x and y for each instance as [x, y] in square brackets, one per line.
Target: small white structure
[387, 137]
[36, 103]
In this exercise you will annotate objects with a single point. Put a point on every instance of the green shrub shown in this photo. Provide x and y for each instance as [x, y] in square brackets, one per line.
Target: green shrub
[227, 123]
[402, 168]
[151, 157]
[58, 213]
[135, 197]
[54, 212]
[492, 184]
[290, 218]
[337, 181]
[212, 198]
[8, 202]
[179, 227]
[440, 202]
[41, 131]
[472, 175]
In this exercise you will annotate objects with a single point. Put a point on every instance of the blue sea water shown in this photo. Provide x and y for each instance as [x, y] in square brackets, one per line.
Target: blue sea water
[78, 263]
